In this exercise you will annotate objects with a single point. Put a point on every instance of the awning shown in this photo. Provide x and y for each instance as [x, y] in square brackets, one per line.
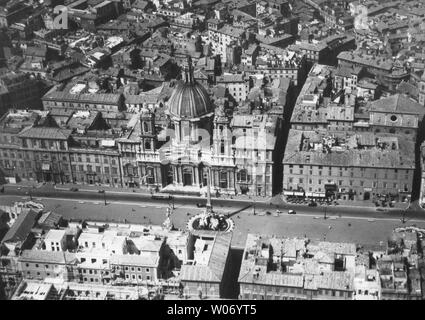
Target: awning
[309, 194]
[320, 195]
[331, 186]
[299, 194]
[107, 143]
[45, 166]
[288, 193]
[367, 189]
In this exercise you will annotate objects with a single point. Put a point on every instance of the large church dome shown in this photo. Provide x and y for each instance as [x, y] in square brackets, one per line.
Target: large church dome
[189, 100]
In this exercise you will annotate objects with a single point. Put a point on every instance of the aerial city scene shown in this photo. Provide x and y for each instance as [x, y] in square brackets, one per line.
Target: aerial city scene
[212, 150]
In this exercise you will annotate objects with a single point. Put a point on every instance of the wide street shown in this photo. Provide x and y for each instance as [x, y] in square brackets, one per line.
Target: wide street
[48, 191]
[364, 226]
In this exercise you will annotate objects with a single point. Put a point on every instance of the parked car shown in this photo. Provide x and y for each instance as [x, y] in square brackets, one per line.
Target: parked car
[201, 205]
[73, 189]
[291, 212]
[312, 204]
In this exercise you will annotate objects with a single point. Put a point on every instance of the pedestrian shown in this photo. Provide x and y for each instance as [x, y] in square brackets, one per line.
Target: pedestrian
[330, 227]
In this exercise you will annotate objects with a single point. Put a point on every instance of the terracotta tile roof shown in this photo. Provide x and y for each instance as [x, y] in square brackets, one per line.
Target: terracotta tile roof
[45, 133]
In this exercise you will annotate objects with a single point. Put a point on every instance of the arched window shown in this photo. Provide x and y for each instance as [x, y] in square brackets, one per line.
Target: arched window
[222, 147]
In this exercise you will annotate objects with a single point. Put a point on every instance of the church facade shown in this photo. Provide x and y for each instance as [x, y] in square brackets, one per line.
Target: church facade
[200, 138]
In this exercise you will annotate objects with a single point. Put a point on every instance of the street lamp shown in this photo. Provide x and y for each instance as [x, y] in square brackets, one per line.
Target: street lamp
[172, 203]
[325, 217]
[403, 220]
[104, 196]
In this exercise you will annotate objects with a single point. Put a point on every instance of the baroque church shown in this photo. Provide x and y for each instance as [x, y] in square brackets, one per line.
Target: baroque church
[199, 139]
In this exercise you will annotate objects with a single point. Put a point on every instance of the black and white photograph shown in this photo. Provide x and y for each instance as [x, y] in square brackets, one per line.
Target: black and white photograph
[212, 154]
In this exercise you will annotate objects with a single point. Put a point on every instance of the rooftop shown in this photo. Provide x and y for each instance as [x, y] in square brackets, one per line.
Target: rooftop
[211, 269]
[294, 263]
[21, 228]
[349, 149]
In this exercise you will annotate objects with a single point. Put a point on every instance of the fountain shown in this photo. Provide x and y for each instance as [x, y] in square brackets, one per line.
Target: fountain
[210, 220]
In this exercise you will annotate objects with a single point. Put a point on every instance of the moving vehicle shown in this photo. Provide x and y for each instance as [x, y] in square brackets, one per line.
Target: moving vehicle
[161, 196]
[73, 189]
[291, 212]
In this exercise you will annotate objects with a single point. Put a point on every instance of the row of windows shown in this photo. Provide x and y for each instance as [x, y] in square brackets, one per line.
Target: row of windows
[358, 174]
[79, 158]
[375, 184]
[310, 167]
[90, 271]
[81, 105]
[8, 139]
[37, 265]
[333, 293]
[43, 144]
[133, 269]
[13, 154]
[139, 277]
[98, 169]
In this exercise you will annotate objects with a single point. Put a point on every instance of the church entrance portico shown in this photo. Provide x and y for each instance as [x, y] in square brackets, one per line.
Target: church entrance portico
[187, 176]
